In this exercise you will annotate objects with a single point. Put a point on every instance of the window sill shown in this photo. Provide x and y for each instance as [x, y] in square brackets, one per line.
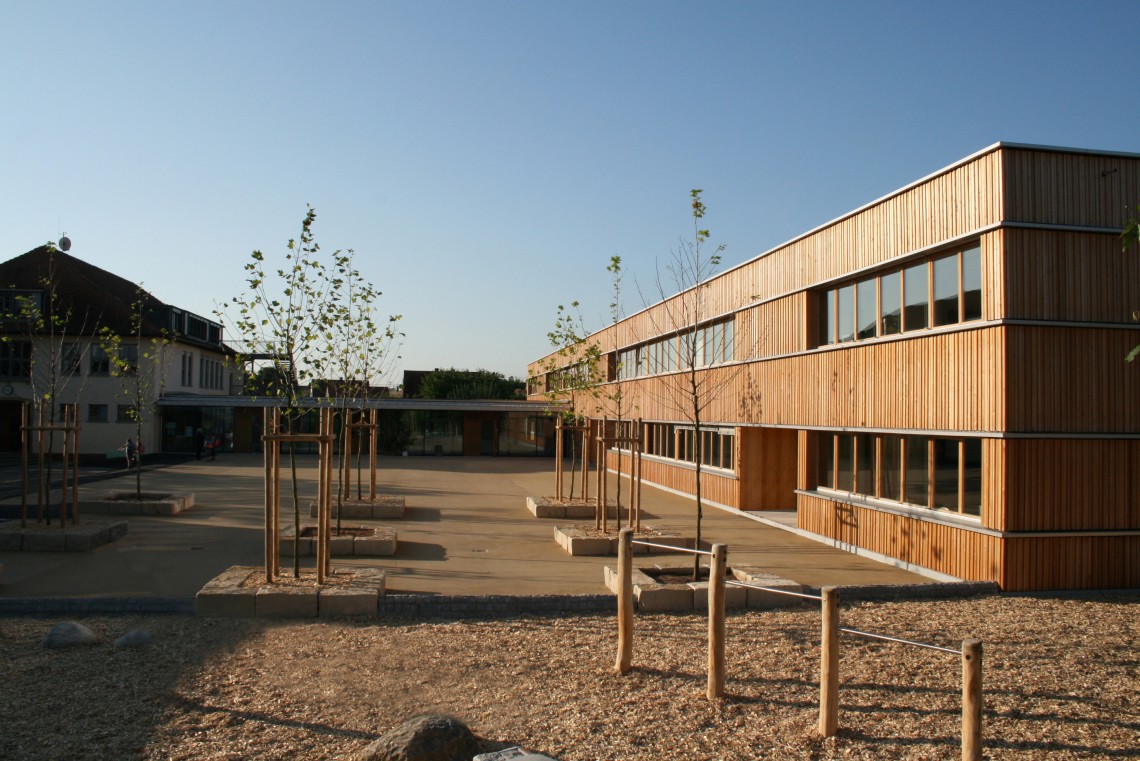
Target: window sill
[925, 514]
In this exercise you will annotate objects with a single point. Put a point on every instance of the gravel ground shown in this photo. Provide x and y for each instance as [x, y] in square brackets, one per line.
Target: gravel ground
[1060, 681]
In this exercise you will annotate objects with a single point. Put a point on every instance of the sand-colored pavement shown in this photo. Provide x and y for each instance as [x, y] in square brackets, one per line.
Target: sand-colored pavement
[466, 531]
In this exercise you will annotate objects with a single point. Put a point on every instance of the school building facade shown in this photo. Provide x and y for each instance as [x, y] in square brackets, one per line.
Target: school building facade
[937, 378]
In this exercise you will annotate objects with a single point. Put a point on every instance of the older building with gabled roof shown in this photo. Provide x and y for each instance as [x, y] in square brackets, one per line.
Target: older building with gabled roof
[55, 309]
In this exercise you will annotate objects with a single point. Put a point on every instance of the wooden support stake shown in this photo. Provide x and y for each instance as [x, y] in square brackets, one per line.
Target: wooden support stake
[24, 444]
[829, 663]
[717, 572]
[972, 700]
[625, 601]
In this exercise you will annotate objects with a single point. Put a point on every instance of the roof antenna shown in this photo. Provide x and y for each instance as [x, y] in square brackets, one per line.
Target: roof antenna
[65, 243]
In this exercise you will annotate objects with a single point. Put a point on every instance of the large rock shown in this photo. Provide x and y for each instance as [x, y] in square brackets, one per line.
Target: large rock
[69, 634]
[424, 738]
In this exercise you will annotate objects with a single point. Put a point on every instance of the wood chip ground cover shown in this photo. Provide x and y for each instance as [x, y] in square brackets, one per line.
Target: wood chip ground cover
[1060, 681]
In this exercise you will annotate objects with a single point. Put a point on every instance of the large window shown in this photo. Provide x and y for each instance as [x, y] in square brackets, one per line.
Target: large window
[675, 441]
[100, 362]
[938, 473]
[709, 344]
[16, 360]
[944, 290]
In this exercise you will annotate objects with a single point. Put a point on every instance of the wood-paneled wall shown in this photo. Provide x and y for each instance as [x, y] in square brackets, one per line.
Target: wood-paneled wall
[1066, 188]
[1053, 275]
[714, 487]
[1070, 380]
[958, 552]
[1067, 484]
[1090, 562]
[947, 381]
[766, 462]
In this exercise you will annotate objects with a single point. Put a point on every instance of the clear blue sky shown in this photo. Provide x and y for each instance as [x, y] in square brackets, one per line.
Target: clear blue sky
[486, 159]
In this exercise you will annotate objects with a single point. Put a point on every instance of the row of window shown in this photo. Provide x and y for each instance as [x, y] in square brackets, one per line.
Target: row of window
[942, 291]
[924, 471]
[98, 413]
[711, 344]
[677, 441]
[210, 372]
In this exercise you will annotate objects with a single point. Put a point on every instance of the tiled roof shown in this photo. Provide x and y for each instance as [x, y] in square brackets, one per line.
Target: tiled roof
[89, 297]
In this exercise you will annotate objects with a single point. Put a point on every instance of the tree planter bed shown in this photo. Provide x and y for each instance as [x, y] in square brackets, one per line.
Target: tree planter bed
[241, 592]
[381, 508]
[653, 594]
[125, 503]
[360, 541]
[587, 540]
[37, 537]
[550, 507]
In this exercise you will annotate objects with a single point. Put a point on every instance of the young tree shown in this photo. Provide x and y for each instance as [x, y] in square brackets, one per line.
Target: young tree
[572, 375]
[55, 335]
[137, 361]
[698, 346]
[614, 392]
[363, 349]
[280, 321]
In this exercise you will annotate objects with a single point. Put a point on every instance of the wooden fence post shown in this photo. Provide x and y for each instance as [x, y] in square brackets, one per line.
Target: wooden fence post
[717, 571]
[972, 700]
[829, 663]
[625, 601]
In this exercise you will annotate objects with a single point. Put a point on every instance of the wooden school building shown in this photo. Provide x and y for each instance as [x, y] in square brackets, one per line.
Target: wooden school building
[937, 378]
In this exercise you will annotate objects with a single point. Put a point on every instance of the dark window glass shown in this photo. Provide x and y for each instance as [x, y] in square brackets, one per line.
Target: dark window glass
[916, 298]
[890, 287]
[868, 309]
[827, 460]
[865, 464]
[827, 318]
[890, 468]
[946, 290]
[917, 478]
[972, 283]
[728, 445]
[972, 477]
[845, 468]
[946, 474]
[845, 308]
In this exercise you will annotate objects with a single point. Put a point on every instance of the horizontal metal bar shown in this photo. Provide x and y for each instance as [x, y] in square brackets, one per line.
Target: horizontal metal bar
[771, 589]
[901, 641]
[671, 547]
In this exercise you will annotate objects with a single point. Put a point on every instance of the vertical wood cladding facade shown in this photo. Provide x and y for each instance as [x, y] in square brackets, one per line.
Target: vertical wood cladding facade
[1023, 404]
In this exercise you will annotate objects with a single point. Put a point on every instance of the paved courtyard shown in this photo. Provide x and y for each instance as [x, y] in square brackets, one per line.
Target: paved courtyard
[466, 531]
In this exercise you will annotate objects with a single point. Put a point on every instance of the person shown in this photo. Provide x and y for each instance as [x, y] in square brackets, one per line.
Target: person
[199, 442]
[213, 444]
[132, 453]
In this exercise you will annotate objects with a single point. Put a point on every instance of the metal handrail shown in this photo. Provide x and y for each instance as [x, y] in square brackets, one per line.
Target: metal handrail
[902, 641]
[672, 547]
[772, 589]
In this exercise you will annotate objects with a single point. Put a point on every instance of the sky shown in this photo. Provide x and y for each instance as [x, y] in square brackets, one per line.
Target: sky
[485, 160]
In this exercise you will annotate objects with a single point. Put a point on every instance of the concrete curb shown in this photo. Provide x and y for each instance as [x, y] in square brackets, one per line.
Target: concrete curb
[461, 606]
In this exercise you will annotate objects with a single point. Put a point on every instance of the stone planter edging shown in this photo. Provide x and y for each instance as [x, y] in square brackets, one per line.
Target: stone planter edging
[651, 595]
[226, 596]
[578, 541]
[123, 503]
[381, 508]
[84, 537]
[382, 543]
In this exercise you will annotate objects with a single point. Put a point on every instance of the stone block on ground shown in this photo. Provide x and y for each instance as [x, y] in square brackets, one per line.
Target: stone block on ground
[286, 602]
[334, 601]
[382, 543]
[762, 599]
[225, 597]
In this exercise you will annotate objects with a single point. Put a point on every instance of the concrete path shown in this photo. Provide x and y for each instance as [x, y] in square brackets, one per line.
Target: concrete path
[466, 531]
